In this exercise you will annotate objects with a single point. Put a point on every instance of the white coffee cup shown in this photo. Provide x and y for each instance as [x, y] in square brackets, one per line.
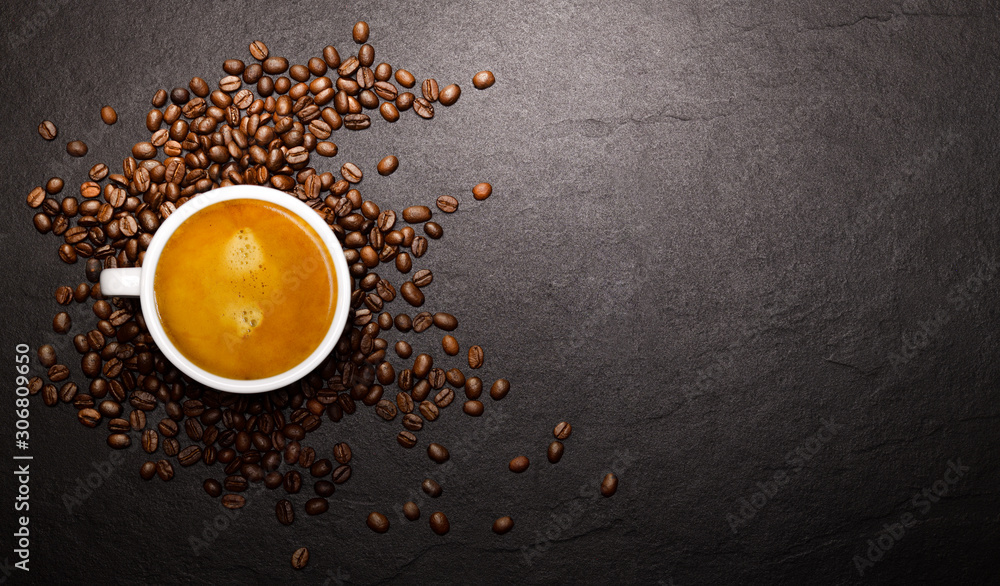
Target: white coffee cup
[138, 282]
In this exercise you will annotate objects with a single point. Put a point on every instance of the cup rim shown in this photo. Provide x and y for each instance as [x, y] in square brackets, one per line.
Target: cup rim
[192, 207]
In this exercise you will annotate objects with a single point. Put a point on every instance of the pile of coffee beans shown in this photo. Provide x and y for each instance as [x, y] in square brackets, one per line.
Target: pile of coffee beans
[262, 125]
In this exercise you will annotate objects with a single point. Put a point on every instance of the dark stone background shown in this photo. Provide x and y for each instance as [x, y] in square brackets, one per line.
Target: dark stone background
[713, 226]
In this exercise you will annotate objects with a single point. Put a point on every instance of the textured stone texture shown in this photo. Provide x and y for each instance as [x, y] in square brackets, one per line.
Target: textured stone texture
[713, 226]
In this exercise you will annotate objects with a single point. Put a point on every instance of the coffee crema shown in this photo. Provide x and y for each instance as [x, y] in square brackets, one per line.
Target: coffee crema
[245, 289]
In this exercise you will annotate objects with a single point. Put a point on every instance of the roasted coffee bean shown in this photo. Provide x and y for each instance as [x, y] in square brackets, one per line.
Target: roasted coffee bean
[433, 230]
[438, 453]
[351, 172]
[403, 349]
[300, 557]
[360, 32]
[422, 365]
[234, 501]
[444, 321]
[342, 452]
[609, 485]
[518, 464]
[61, 323]
[110, 409]
[236, 483]
[119, 441]
[285, 512]
[412, 294]
[417, 214]
[447, 204]
[555, 451]
[482, 191]
[386, 409]
[387, 165]
[475, 357]
[404, 263]
[89, 417]
[341, 474]
[36, 197]
[58, 373]
[405, 439]
[50, 396]
[93, 270]
[47, 130]
[189, 455]
[405, 404]
[54, 186]
[450, 345]
[500, 389]
[317, 506]
[67, 253]
[439, 523]
[91, 364]
[212, 487]
[473, 408]
[76, 148]
[293, 482]
[307, 457]
[171, 446]
[428, 410]
[562, 430]
[419, 246]
[449, 94]
[67, 392]
[429, 89]
[444, 398]
[258, 50]
[324, 488]
[357, 121]
[483, 80]
[320, 468]
[503, 525]
[411, 511]
[423, 108]
[137, 419]
[47, 355]
[424, 277]
[233, 66]
[64, 295]
[147, 470]
[431, 488]
[377, 522]
[413, 422]
[150, 440]
[42, 223]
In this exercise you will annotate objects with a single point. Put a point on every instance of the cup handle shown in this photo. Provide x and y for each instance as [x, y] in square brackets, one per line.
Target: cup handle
[120, 282]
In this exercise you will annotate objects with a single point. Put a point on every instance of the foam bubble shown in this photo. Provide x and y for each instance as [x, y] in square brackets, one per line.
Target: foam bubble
[246, 316]
[243, 253]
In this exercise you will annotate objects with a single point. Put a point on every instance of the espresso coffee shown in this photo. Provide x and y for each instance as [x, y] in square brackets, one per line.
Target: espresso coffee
[245, 289]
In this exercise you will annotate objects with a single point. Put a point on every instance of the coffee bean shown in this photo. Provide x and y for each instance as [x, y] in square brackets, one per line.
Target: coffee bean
[475, 357]
[431, 488]
[36, 197]
[212, 487]
[450, 345]
[258, 50]
[562, 430]
[150, 440]
[473, 387]
[429, 89]
[293, 482]
[412, 294]
[411, 511]
[423, 108]
[377, 522]
[342, 452]
[317, 506]
[387, 165]
[234, 501]
[404, 438]
[518, 464]
[147, 470]
[300, 557]
[449, 94]
[285, 512]
[166, 471]
[61, 323]
[360, 32]
[47, 355]
[413, 422]
[351, 172]
[433, 230]
[555, 451]
[54, 186]
[429, 410]
[473, 408]
[43, 223]
[324, 488]
[609, 485]
[404, 263]
[417, 214]
[89, 417]
[444, 398]
[419, 247]
[503, 525]
[342, 474]
[386, 409]
[236, 483]
[76, 148]
[483, 80]
[447, 204]
[67, 254]
[189, 456]
[50, 396]
[482, 191]
[438, 453]
[500, 389]
[439, 523]
[91, 364]
[68, 391]
[233, 66]
[159, 98]
[47, 130]
[357, 121]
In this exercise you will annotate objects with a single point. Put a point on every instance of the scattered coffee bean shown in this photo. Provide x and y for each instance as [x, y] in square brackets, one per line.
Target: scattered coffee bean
[447, 204]
[300, 557]
[499, 389]
[450, 345]
[147, 470]
[609, 485]
[562, 430]
[61, 323]
[258, 50]
[482, 191]
[342, 452]
[437, 452]
[503, 525]
[431, 488]
[165, 470]
[555, 451]
[54, 185]
[411, 511]
[475, 357]
[473, 408]
[377, 522]
[483, 80]
[76, 148]
[213, 487]
[449, 94]
[108, 115]
[439, 523]
[47, 355]
[360, 32]
[518, 464]
[387, 165]
[404, 438]
[285, 512]
[317, 506]
[47, 130]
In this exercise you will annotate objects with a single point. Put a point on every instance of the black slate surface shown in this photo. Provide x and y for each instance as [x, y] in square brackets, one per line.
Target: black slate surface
[730, 242]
